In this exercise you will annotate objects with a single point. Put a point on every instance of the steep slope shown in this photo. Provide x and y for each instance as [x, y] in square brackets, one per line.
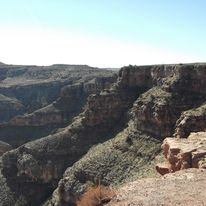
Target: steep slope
[184, 153]
[185, 187]
[38, 86]
[41, 163]
[193, 120]
[10, 106]
[134, 115]
[129, 155]
[49, 97]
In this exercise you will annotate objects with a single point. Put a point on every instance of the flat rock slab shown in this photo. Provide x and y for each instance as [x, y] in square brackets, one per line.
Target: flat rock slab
[185, 187]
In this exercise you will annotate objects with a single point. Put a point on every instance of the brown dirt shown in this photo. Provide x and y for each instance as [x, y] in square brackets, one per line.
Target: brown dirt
[186, 187]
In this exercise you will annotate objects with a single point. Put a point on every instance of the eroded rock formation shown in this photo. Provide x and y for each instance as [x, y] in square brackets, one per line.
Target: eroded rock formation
[60, 93]
[127, 120]
[193, 120]
[184, 153]
[125, 157]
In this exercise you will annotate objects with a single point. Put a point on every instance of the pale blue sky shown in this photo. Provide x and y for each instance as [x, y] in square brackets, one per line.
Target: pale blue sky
[145, 31]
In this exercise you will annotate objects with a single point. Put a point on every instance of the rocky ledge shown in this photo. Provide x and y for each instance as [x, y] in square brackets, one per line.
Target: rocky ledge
[184, 153]
[115, 139]
[186, 187]
[192, 120]
[35, 101]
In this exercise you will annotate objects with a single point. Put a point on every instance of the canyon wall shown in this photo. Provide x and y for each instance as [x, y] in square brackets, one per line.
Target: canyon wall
[43, 99]
[122, 128]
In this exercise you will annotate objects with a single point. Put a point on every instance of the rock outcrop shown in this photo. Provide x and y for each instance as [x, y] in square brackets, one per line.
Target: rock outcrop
[128, 120]
[4, 147]
[64, 148]
[176, 88]
[193, 120]
[128, 156]
[184, 153]
[66, 91]
[37, 86]
[186, 187]
[9, 107]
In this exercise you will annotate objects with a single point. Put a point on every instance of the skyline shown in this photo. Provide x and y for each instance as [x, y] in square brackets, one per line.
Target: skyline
[102, 33]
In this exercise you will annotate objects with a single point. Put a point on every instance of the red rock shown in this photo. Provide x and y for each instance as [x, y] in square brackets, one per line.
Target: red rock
[184, 153]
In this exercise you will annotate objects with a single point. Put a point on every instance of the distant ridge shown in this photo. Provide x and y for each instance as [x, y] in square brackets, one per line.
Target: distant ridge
[1, 63]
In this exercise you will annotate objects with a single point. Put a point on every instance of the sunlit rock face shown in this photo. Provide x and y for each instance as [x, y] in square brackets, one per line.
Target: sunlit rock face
[192, 120]
[176, 88]
[36, 101]
[124, 120]
[184, 153]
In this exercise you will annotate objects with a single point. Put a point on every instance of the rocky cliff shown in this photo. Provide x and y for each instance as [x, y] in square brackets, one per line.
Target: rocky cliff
[48, 98]
[114, 140]
[184, 153]
[37, 86]
[193, 120]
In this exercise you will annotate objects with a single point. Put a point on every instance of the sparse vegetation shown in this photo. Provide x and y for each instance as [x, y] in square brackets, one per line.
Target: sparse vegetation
[199, 111]
[96, 196]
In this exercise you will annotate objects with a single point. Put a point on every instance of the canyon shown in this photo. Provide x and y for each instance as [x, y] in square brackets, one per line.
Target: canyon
[64, 128]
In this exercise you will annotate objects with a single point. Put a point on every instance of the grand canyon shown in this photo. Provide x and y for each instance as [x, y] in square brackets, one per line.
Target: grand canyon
[139, 130]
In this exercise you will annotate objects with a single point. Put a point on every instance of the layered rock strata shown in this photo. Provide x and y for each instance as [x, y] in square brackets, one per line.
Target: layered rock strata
[145, 101]
[184, 153]
[29, 163]
[193, 120]
[69, 89]
[38, 86]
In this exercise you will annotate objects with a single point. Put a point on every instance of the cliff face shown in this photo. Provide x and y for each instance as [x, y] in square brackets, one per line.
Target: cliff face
[37, 86]
[176, 88]
[61, 92]
[130, 118]
[184, 153]
[9, 106]
[192, 120]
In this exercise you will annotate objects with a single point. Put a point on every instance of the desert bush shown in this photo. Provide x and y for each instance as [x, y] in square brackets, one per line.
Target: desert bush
[96, 196]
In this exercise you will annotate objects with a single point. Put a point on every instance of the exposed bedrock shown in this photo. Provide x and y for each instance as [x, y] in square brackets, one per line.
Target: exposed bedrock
[182, 153]
[180, 188]
[38, 165]
[58, 114]
[44, 161]
[176, 88]
[32, 96]
[193, 120]
[9, 107]
[148, 98]
[37, 86]
[70, 102]
[155, 113]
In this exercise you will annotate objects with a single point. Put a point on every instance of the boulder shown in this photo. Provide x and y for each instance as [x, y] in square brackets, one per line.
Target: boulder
[184, 153]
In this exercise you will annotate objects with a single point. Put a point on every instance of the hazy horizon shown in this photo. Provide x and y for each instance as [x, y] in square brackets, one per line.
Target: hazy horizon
[102, 33]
